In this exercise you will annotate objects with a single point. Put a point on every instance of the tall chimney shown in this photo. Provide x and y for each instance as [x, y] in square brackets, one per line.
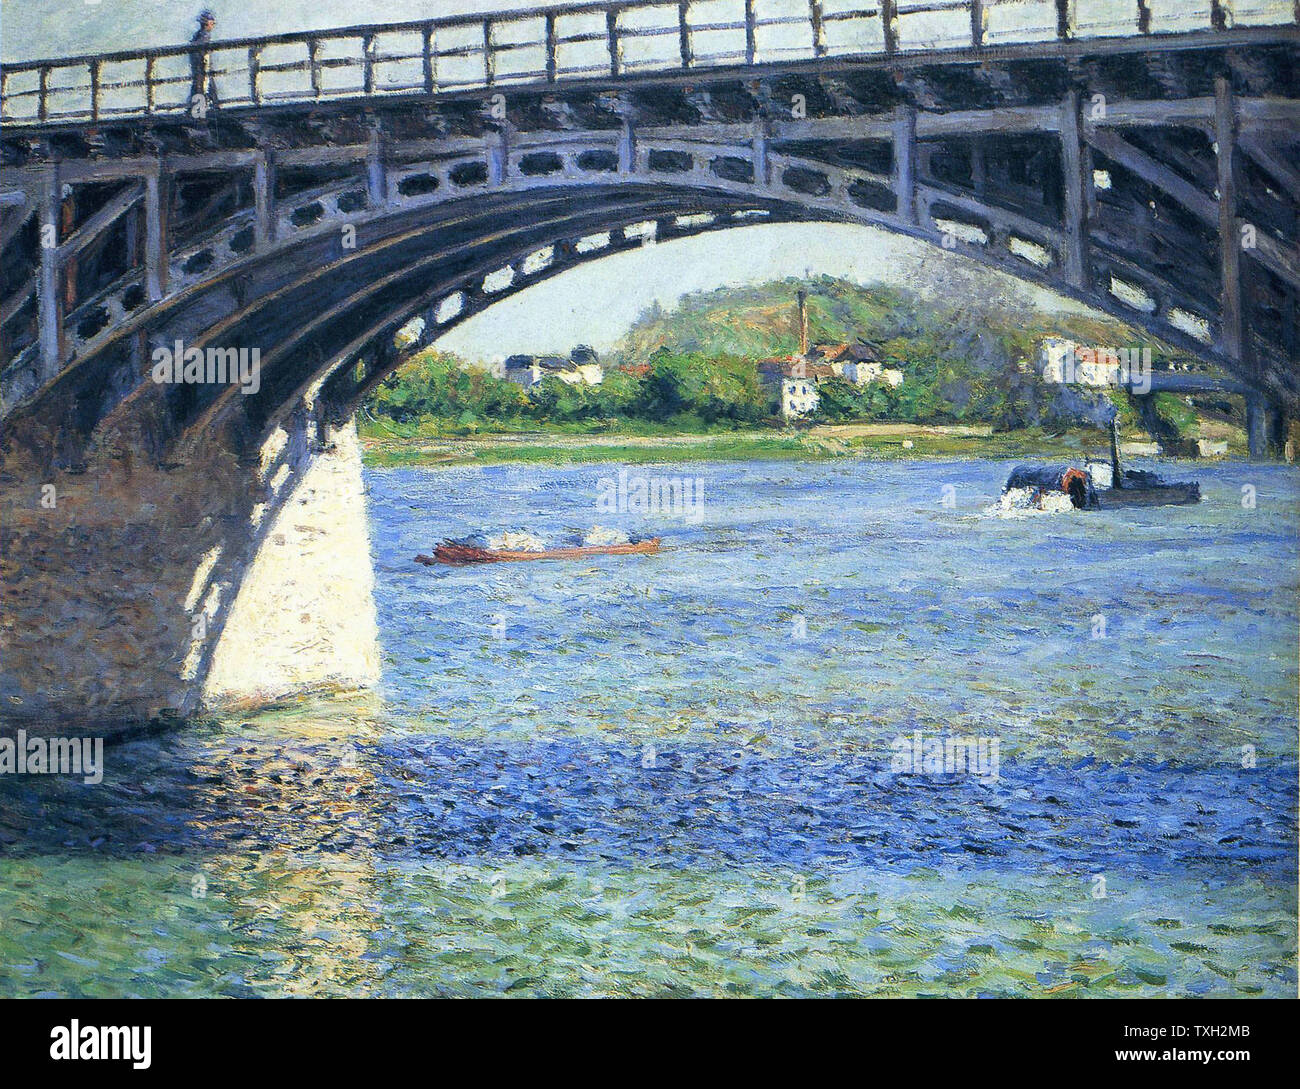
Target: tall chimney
[803, 322]
[1116, 472]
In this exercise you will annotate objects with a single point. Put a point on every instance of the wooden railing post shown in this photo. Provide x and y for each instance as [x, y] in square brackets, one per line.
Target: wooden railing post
[313, 64]
[255, 75]
[42, 98]
[489, 59]
[818, 27]
[148, 84]
[751, 33]
[367, 64]
[1064, 19]
[889, 20]
[611, 40]
[552, 61]
[684, 32]
[94, 90]
[1144, 16]
[977, 23]
[430, 75]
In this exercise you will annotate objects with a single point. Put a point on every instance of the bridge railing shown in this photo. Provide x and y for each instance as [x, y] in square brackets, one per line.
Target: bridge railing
[604, 41]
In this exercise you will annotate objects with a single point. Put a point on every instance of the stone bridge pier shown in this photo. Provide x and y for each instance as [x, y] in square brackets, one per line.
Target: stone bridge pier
[137, 592]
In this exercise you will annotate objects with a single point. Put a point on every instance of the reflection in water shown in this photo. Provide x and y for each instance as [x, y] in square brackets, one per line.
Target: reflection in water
[672, 774]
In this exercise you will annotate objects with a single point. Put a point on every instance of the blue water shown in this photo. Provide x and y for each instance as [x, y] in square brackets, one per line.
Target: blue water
[918, 616]
[607, 776]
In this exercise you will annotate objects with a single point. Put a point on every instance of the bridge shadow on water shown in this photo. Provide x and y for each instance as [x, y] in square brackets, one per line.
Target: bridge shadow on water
[571, 801]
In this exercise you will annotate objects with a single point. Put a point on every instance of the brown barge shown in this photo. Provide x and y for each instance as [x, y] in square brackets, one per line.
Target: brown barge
[458, 554]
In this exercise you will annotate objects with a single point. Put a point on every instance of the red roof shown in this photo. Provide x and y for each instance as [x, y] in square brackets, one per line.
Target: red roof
[861, 352]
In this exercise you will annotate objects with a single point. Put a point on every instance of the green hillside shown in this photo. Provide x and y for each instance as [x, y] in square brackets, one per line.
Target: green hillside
[759, 321]
[965, 362]
[971, 361]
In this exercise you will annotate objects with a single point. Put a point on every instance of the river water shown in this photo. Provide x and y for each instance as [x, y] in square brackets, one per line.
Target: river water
[678, 774]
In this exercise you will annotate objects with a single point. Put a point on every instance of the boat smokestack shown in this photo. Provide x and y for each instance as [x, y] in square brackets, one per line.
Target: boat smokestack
[802, 297]
[1116, 474]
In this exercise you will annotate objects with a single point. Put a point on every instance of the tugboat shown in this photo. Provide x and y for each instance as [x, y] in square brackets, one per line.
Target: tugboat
[1136, 488]
[1096, 486]
[1048, 487]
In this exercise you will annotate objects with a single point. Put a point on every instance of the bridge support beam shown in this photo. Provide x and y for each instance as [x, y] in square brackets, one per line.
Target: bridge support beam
[904, 133]
[760, 141]
[376, 177]
[155, 234]
[1225, 136]
[48, 297]
[1077, 186]
[132, 593]
[264, 199]
[498, 155]
[627, 145]
[1259, 426]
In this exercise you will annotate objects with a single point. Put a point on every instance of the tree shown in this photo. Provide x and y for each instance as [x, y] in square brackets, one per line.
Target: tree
[438, 385]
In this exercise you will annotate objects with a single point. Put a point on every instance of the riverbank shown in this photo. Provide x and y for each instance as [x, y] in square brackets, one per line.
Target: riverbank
[877, 441]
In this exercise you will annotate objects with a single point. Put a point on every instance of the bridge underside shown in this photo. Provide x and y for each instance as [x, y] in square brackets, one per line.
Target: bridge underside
[170, 498]
[1158, 185]
[333, 312]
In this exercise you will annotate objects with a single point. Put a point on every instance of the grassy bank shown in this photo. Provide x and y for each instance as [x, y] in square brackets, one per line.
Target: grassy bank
[885, 440]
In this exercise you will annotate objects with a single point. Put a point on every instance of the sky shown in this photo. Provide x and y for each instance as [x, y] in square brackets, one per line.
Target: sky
[32, 29]
[593, 304]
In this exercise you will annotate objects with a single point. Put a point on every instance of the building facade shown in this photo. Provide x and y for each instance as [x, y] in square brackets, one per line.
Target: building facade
[581, 366]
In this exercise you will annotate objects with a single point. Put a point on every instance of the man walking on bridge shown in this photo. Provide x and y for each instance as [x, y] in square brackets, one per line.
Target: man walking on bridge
[202, 86]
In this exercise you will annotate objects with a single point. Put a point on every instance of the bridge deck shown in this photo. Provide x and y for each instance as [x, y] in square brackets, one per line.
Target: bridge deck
[609, 40]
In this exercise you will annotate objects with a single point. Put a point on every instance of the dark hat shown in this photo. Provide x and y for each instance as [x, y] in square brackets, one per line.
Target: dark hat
[207, 15]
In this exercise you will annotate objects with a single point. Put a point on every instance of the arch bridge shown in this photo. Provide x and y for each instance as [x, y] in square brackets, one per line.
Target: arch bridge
[335, 200]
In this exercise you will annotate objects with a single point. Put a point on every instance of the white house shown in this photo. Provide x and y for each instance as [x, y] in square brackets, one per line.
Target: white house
[526, 370]
[864, 373]
[795, 378]
[799, 397]
[795, 382]
[586, 366]
[858, 363]
[582, 365]
[1066, 361]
